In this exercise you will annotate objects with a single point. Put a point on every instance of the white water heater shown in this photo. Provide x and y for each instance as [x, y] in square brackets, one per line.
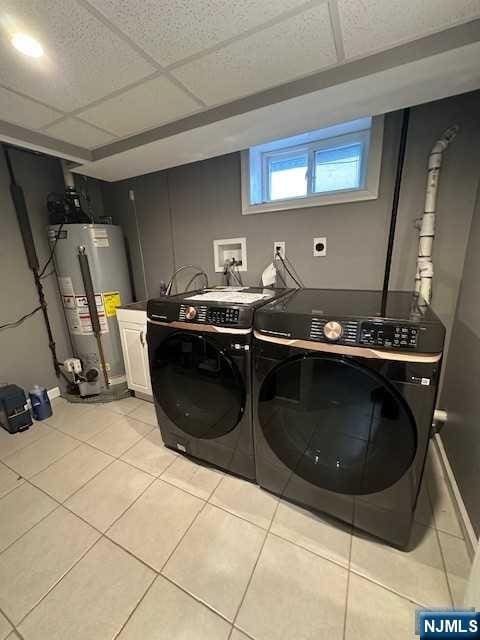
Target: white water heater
[104, 247]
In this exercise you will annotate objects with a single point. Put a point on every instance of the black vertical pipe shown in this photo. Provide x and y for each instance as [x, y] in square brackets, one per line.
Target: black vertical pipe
[92, 308]
[23, 219]
[396, 197]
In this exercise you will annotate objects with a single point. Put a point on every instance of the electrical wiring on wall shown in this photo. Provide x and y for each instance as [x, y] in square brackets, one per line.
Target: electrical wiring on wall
[290, 270]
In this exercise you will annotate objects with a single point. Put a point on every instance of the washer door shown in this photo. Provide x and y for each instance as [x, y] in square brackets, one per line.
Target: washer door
[197, 385]
[337, 424]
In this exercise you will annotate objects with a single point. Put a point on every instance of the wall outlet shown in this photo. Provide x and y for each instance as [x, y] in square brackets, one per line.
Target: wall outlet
[280, 244]
[320, 247]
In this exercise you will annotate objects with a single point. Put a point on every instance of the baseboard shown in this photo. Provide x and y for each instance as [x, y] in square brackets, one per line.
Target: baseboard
[53, 393]
[144, 396]
[469, 533]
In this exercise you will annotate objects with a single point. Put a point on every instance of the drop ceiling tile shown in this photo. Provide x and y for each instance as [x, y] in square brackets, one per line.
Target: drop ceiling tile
[79, 133]
[150, 104]
[25, 112]
[373, 25]
[292, 48]
[172, 30]
[83, 60]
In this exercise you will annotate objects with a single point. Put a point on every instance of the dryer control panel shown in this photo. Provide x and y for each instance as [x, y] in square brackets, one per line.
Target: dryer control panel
[389, 335]
[372, 333]
[400, 321]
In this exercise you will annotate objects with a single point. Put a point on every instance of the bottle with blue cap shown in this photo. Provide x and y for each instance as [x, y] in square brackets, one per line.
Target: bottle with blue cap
[41, 407]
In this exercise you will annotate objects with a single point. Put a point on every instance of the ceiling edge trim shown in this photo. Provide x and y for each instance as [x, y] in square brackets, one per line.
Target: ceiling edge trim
[446, 40]
[29, 139]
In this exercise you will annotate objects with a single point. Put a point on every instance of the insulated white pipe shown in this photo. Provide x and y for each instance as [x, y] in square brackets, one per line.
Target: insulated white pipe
[424, 273]
[67, 175]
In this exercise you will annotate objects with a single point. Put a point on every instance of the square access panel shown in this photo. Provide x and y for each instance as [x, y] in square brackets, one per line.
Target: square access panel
[225, 250]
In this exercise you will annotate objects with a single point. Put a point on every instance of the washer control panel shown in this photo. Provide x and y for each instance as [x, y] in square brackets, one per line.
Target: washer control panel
[389, 335]
[192, 313]
[228, 316]
[223, 315]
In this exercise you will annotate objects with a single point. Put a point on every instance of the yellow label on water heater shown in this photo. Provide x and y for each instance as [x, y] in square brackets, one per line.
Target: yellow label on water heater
[111, 301]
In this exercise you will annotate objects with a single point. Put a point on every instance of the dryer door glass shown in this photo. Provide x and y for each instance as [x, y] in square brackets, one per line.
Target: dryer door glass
[198, 387]
[337, 424]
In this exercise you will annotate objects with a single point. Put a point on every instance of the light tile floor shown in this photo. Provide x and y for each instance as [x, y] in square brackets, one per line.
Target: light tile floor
[105, 533]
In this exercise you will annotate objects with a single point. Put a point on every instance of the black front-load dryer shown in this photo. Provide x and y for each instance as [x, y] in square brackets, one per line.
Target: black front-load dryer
[199, 346]
[344, 394]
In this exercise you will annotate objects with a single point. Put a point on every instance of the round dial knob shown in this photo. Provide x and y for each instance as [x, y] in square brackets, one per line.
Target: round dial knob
[333, 330]
[190, 313]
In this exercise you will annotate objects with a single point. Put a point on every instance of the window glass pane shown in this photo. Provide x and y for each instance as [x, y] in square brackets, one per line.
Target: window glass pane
[287, 176]
[337, 169]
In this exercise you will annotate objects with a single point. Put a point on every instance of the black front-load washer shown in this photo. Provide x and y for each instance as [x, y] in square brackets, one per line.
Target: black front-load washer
[344, 394]
[199, 346]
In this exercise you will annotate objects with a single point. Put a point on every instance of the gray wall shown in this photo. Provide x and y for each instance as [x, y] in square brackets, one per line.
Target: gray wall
[202, 200]
[460, 396]
[24, 353]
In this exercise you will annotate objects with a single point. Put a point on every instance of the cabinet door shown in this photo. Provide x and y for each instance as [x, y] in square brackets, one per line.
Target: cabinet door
[135, 353]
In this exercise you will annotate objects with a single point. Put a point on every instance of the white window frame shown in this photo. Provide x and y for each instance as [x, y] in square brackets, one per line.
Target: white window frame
[372, 139]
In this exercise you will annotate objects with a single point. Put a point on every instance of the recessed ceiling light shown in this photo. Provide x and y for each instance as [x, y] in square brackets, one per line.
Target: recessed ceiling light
[27, 45]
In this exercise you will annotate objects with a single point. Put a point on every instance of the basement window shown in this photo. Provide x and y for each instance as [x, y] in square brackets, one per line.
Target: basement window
[336, 164]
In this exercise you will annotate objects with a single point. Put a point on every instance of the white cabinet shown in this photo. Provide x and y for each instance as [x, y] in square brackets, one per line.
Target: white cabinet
[133, 334]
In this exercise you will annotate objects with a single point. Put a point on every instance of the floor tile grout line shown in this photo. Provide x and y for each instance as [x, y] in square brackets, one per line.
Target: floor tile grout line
[247, 635]
[27, 445]
[10, 455]
[267, 532]
[347, 590]
[400, 594]
[79, 559]
[98, 433]
[444, 564]
[159, 572]
[94, 446]
[345, 613]
[33, 525]
[140, 495]
[437, 530]
[195, 597]
[110, 424]
[10, 622]
[101, 537]
[443, 483]
[314, 553]
[20, 480]
[172, 484]
[64, 455]
[114, 458]
[183, 536]
[63, 502]
[239, 517]
[132, 612]
[236, 515]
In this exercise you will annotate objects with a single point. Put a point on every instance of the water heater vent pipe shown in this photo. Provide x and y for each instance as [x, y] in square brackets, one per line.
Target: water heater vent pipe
[424, 272]
[67, 175]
